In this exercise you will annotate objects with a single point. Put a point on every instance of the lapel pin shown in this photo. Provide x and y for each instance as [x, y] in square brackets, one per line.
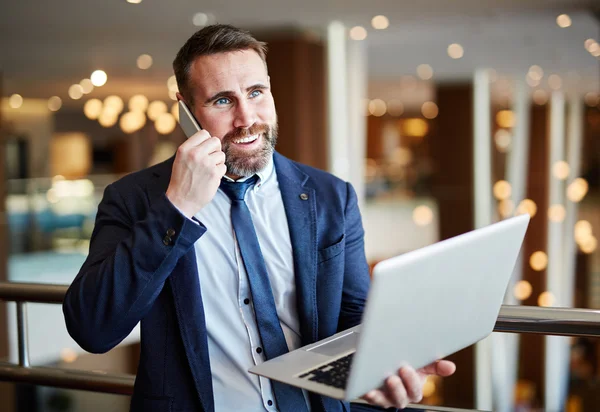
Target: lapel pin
[304, 196]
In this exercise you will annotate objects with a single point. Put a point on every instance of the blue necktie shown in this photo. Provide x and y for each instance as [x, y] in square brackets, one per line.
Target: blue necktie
[288, 397]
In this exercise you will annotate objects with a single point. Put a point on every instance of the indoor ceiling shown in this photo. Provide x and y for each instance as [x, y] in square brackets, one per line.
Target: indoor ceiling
[47, 46]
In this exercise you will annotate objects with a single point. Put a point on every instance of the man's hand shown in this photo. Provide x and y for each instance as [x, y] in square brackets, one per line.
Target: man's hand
[197, 171]
[406, 387]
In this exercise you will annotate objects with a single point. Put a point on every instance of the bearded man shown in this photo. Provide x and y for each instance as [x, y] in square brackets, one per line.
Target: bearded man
[228, 254]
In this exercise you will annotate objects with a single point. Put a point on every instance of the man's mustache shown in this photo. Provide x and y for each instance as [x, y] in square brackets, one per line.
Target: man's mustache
[250, 131]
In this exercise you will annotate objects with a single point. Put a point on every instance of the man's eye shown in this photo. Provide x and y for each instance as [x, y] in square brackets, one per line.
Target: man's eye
[255, 93]
[222, 100]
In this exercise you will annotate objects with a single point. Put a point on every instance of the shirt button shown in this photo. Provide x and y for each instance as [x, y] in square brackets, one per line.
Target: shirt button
[167, 240]
[170, 232]
[246, 301]
[270, 403]
[259, 350]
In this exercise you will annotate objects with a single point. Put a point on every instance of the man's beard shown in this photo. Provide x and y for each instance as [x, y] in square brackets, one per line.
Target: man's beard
[240, 162]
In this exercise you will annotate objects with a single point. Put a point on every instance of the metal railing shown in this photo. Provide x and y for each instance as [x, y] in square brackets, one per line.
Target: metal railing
[512, 319]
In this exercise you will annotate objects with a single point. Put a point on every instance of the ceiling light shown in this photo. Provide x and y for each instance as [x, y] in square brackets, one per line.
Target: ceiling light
[422, 215]
[502, 190]
[144, 61]
[588, 44]
[108, 118]
[75, 91]
[15, 101]
[506, 207]
[538, 261]
[557, 213]
[172, 84]
[54, 103]
[532, 82]
[132, 121]
[156, 108]
[561, 170]
[99, 78]
[563, 21]
[92, 109]
[424, 71]
[592, 99]
[200, 19]
[165, 123]
[380, 22]
[358, 33]
[134, 1]
[138, 103]
[577, 190]
[86, 85]
[414, 127]
[546, 299]
[527, 206]
[583, 230]
[377, 107]
[522, 290]
[535, 72]
[395, 107]
[455, 51]
[503, 139]
[115, 103]
[589, 245]
[505, 119]
[429, 110]
[554, 81]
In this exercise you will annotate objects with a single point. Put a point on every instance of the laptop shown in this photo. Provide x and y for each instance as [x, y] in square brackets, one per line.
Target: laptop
[422, 306]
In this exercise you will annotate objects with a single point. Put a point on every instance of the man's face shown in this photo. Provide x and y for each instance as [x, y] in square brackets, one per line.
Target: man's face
[233, 101]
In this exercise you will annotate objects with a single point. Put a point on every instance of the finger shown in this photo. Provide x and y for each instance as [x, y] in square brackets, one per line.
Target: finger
[441, 368]
[412, 383]
[211, 145]
[218, 157]
[376, 397]
[206, 148]
[395, 392]
[196, 139]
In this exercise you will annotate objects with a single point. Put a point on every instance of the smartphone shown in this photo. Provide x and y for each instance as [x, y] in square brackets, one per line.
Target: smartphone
[187, 121]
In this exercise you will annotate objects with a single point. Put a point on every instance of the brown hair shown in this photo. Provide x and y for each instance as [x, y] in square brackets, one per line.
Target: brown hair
[217, 38]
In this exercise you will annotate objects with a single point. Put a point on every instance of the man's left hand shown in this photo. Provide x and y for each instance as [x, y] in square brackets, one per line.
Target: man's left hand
[407, 386]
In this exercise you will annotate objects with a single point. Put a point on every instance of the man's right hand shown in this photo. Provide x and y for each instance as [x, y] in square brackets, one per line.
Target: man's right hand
[197, 171]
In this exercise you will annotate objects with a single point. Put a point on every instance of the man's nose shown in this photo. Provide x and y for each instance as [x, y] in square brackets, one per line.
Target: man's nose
[244, 116]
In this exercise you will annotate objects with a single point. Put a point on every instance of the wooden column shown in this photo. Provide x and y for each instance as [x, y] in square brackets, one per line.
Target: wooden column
[451, 145]
[531, 354]
[6, 389]
[297, 70]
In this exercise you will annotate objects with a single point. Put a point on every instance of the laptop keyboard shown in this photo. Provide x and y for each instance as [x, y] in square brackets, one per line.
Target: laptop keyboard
[334, 373]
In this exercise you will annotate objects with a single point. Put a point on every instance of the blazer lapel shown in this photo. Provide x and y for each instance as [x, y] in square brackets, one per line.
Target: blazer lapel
[189, 309]
[301, 212]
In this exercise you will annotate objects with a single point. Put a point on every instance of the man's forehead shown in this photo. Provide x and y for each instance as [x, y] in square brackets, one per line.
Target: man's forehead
[226, 70]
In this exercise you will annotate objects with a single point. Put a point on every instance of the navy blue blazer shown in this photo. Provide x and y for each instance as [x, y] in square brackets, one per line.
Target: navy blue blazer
[142, 267]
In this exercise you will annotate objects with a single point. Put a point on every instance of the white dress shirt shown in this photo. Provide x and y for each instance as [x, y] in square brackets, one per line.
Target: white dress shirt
[233, 337]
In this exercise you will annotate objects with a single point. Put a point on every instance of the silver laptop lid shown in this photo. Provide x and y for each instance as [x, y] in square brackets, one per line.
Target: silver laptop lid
[447, 295]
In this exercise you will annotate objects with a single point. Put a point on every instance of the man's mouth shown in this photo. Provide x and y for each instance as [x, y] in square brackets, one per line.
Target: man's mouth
[246, 140]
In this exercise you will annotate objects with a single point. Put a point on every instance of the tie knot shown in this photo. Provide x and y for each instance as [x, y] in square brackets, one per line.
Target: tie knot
[237, 190]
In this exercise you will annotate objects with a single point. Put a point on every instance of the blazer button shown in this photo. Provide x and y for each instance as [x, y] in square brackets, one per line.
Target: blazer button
[167, 240]
[171, 232]
[304, 196]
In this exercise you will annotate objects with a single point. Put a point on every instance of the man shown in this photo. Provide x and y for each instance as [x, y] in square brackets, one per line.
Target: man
[182, 246]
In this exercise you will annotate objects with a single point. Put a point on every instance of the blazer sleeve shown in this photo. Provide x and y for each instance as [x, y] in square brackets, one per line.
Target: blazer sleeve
[356, 269]
[127, 266]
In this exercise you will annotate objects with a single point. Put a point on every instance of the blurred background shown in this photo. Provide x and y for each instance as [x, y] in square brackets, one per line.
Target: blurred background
[444, 115]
